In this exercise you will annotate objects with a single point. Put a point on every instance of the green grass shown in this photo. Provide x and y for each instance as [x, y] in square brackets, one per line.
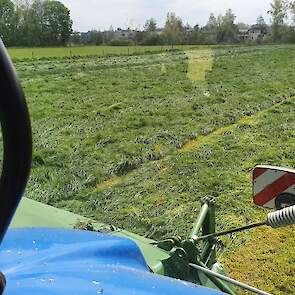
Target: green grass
[130, 141]
[266, 260]
[76, 51]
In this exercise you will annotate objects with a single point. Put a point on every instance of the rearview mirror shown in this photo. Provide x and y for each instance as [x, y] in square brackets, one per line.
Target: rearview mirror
[273, 187]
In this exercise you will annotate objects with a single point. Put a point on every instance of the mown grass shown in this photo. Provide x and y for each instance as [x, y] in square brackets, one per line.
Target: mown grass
[199, 63]
[76, 51]
[266, 260]
[133, 142]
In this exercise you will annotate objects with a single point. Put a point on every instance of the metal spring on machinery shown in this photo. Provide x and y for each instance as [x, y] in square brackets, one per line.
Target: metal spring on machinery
[281, 218]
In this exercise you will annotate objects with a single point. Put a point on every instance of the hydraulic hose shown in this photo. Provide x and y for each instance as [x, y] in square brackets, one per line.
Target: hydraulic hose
[281, 218]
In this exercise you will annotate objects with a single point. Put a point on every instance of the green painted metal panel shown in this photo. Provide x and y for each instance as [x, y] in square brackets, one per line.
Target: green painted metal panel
[31, 213]
[34, 214]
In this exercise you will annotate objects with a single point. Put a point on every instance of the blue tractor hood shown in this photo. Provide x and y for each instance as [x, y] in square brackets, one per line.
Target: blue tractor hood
[58, 262]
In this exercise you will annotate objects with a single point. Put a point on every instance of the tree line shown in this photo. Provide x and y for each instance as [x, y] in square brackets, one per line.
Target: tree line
[48, 23]
[220, 29]
[34, 23]
[279, 11]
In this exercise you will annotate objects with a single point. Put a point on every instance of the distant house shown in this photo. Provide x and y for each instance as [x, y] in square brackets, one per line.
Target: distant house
[243, 34]
[255, 33]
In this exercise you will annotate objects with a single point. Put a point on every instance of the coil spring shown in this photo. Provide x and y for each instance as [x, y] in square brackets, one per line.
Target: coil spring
[282, 217]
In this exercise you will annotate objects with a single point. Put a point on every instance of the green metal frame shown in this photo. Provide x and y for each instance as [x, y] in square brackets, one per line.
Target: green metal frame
[170, 257]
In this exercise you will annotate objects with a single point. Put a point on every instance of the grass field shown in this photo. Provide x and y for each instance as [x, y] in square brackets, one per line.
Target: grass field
[137, 141]
[78, 51]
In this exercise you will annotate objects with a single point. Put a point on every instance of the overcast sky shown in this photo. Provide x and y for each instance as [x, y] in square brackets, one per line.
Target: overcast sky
[101, 14]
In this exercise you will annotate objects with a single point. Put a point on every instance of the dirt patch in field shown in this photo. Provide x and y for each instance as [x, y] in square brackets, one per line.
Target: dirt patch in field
[199, 63]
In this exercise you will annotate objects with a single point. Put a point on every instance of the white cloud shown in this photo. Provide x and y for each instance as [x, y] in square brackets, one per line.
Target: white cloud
[100, 14]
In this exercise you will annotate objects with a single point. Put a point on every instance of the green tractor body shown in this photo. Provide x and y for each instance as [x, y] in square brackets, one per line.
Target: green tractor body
[170, 257]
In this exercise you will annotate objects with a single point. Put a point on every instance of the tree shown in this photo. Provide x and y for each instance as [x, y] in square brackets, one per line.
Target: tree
[173, 30]
[38, 23]
[139, 37]
[35, 24]
[108, 35]
[193, 35]
[292, 10]
[57, 23]
[75, 38]
[278, 12]
[150, 25]
[260, 21]
[221, 29]
[262, 24]
[96, 37]
[209, 31]
[291, 30]
[212, 25]
[22, 24]
[153, 39]
[6, 20]
[229, 30]
[243, 26]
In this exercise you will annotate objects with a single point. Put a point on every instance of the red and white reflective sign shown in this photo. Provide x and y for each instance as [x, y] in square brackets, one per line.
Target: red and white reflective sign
[270, 183]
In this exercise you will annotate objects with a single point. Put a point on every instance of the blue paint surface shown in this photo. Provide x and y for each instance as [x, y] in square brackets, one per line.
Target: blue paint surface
[59, 262]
